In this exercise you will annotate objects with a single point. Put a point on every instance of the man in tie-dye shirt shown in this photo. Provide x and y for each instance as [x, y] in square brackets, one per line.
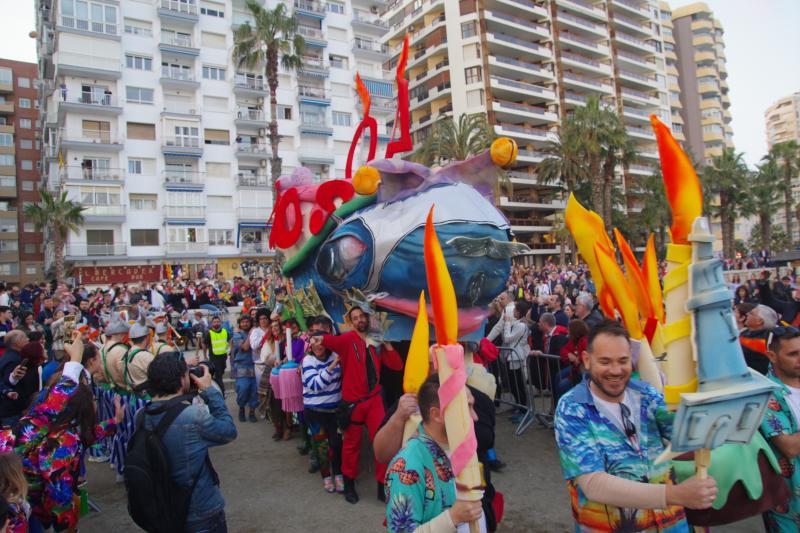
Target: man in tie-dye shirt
[610, 430]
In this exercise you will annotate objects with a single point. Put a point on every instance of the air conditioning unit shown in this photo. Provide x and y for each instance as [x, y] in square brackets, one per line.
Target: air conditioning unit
[263, 163]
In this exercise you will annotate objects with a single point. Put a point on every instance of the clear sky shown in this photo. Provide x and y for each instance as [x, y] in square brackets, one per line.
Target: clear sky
[762, 39]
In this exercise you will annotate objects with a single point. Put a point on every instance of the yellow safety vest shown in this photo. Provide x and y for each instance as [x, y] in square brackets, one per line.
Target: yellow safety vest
[219, 341]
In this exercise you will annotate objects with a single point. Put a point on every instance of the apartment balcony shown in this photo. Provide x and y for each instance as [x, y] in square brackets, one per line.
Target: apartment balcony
[368, 49]
[87, 66]
[369, 23]
[575, 80]
[251, 117]
[97, 28]
[586, 46]
[313, 95]
[583, 8]
[6, 87]
[638, 81]
[240, 18]
[7, 128]
[177, 78]
[502, 22]
[630, 42]
[525, 225]
[252, 151]
[506, 110]
[422, 56]
[252, 180]
[8, 184]
[104, 213]
[504, 86]
[585, 64]
[640, 170]
[258, 214]
[95, 140]
[315, 125]
[187, 247]
[182, 146]
[525, 133]
[185, 212]
[424, 76]
[530, 156]
[523, 6]
[709, 88]
[636, 62]
[581, 25]
[636, 114]
[78, 174]
[632, 7]
[639, 97]
[314, 67]
[425, 97]
[179, 44]
[314, 37]
[184, 180]
[508, 66]
[248, 86]
[309, 8]
[178, 10]
[255, 248]
[526, 202]
[78, 250]
[379, 105]
[638, 27]
[6, 108]
[88, 102]
[640, 133]
[649, 154]
[519, 45]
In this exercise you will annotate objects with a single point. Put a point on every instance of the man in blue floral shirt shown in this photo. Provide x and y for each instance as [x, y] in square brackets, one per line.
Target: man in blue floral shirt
[780, 423]
[610, 430]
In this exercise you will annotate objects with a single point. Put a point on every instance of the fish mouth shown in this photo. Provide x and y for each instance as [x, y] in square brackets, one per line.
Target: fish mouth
[469, 319]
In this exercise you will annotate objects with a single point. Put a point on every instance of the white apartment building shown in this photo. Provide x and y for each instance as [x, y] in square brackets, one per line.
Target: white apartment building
[526, 64]
[151, 125]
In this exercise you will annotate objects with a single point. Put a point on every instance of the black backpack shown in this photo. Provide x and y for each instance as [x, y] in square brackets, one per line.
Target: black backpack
[155, 502]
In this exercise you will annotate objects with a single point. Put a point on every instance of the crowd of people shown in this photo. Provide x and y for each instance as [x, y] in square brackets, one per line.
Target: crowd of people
[85, 373]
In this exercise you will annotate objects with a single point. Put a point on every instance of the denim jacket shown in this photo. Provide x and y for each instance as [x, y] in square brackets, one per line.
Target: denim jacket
[194, 431]
[242, 358]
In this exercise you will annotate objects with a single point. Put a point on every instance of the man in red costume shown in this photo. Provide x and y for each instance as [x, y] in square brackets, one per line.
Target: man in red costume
[361, 391]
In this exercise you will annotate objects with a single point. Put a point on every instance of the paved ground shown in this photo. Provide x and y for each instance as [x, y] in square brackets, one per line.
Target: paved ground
[267, 489]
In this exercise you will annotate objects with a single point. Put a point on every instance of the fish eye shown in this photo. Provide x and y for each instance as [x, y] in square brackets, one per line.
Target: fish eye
[337, 258]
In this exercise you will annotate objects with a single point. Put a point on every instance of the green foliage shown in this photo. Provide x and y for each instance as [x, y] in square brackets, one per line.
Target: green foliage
[455, 141]
[778, 239]
[59, 217]
[725, 185]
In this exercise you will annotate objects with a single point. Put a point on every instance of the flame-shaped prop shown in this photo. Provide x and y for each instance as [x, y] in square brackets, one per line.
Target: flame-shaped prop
[402, 117]
[366, 122]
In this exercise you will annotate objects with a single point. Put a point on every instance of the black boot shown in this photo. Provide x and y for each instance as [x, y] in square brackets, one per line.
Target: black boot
[252, 417]
[381, 492]
[241, 414]
[350, 493]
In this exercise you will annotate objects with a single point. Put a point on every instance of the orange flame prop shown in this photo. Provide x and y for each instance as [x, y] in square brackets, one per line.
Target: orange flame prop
[634, 276]
[621, 292]
[363, 94]
[440, 286]
[682, 186]
[416, 370]
[650, 274]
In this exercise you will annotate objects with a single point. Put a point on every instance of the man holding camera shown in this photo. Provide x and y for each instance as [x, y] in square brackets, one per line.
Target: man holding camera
[187, 440]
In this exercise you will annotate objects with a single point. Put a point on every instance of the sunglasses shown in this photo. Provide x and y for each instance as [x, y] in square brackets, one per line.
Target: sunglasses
[780, 332]
[627, 423]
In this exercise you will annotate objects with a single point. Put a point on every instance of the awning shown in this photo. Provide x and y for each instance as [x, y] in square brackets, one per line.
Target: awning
[316, 159]
[186, 222]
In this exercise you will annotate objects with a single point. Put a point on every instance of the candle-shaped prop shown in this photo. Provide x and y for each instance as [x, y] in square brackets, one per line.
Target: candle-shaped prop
[452, 372]
[291, 384]
[685, 198]
[416, 370]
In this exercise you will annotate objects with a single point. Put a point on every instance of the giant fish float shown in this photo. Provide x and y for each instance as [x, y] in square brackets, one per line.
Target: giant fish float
[366, 233]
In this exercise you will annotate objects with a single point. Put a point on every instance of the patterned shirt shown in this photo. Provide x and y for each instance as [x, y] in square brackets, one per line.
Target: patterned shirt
[589, 442]
[779, 420]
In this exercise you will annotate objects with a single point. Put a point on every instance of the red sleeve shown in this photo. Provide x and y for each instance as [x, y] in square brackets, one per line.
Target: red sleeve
[391, 359]
[337, 343]
[565, 351]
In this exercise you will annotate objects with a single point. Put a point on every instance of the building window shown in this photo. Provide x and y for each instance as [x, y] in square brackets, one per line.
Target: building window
[139, 95]
[8, 225]
[8, 269]
[138, 62]
[6, 139]
[336, 7]
[24, 83]
[284, 112]
[473, 75]
[214, 73]
[338, 61]
[89, 16]
[30, 248]
[26, 144]
[212, 9]
[143, 202]
[7, 245]
[28, 227]
[30, 270]
[469, 29]
[26, 164]
[6, 160]
[24, 103]
[6, 76]
[145, 132]
[220, 237]
[138, 27]
[134, 166]
[341, 119]
[220, 204]
[25, 123]
[144, 237]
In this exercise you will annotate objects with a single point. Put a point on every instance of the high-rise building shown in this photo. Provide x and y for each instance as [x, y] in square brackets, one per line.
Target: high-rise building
[702, 77]
[149, 122]
[783, 120]
[20, 243]
[526, 64]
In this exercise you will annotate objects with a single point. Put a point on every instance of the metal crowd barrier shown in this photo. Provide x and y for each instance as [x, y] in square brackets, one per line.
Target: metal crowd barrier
[527, 386]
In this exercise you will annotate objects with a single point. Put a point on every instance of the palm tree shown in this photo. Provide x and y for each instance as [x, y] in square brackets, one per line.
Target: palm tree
[564, 162]
[455, 141]
[786, 156]
[725, 179]
[763, 199]
[655, 214]
[60, 216]
[274, 39]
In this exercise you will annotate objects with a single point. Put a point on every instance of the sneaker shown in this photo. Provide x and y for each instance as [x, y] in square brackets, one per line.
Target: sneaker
[497, 465]
[99, 458]
[339, 484]
[328, 483]
[350, 494]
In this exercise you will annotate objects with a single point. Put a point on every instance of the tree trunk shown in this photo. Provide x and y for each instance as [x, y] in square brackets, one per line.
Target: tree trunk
[58, 243]
[597, 186]
[562, 252]
[727, 224]
[787, 208]
[608, 187]
[765, 225]
[274, 137]
[573, 252]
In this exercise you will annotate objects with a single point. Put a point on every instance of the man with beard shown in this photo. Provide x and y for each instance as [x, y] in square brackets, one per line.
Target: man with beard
[610, 429]
[361, 392]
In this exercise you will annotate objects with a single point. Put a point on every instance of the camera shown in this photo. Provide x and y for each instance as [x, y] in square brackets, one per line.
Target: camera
[197, 370]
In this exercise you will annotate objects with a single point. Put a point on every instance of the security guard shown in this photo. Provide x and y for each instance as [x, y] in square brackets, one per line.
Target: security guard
[215, 347]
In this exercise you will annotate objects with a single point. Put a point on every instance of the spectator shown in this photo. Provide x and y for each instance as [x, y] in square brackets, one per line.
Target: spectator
[742, 295]
[515, 340]
[6, 325]
[243, 370]
[586, 311]
[740, 314]
[759, 322]
[555, 305]
[571, 354]
[15, 375]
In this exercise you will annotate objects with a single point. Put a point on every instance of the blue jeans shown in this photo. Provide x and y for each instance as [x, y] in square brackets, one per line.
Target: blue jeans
[213, 524]
[246, 392]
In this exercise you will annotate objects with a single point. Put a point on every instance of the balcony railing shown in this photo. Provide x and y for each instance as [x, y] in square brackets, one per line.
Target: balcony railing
[311, 33]
[636, 58]
[180, 6]
[518, 84]
[183, 142]
[90, 174]
[525, 130]
[313, 92]
[177, 74]
[108, 210]
[185, 211]
[633, 40]
[532, 154]
[640, 131]
[246, 113]
[580, 21]
[177, 40]
[584, 79]
[314, 121]
[524, 108]
[630, 74]
[635, 111]
[248, 179]
[313, 62]
[637, 94]
[522, 64]
[89, 136]
[370, 46]
[517, 20]
[307, 5]
[92, 98]
[244, 82]
[181, 177]
[630, 21]
[359, 16]
[578, 39]
[108, 28]
[254, 212]
[519, 42]
[254, 247]
[82, 249]
[252, 148]
[187, 247]
[633, 5]
[581, 59]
